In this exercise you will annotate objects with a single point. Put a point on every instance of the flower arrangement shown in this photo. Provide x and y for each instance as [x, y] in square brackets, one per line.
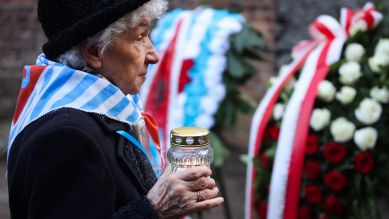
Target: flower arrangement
[204, 61]
[345, 155]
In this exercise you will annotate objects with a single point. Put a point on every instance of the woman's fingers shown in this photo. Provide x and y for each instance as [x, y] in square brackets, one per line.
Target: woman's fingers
[206, 204]
[201, 183]
[193, 173]
[207, 194]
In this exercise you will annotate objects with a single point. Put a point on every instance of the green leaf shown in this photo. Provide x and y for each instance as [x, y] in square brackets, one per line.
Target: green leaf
[235, 66]
[357, 183]
[239, 41]
[247, 39]
[253, 40]
[271, 152]
[230, 115]
[248, 100]
[284, 96]
[369, 185]
[252, 53]
[243, 106]
[244, 158]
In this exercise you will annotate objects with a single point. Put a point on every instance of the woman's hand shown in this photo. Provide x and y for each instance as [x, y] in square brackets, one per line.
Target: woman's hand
[183, 192]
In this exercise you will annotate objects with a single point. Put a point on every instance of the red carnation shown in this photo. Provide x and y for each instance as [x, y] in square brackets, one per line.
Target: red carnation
[273, 132]
[335, 180]
[333, 205]
[304, 213]
[335, 153]
[313, 194]
[312, 169]
[364, 162]
[312, 145]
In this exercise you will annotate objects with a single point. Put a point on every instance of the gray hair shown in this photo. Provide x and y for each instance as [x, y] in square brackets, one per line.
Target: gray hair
[73, 58]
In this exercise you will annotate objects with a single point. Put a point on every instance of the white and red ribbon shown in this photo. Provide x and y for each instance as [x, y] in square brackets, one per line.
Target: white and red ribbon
[316, 55]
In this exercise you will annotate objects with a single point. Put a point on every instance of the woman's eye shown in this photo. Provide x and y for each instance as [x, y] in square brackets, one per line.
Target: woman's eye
[140, 37]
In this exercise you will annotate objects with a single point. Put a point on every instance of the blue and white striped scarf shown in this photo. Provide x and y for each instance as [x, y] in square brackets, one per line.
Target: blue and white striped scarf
[48, 86]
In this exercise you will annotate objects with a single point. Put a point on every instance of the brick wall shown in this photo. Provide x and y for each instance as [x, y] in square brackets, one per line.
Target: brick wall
[20, 41]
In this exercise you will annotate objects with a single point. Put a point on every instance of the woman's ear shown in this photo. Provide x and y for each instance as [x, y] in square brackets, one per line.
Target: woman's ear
[92, 57]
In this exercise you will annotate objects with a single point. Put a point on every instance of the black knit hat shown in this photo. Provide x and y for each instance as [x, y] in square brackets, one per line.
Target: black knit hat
[67, 23]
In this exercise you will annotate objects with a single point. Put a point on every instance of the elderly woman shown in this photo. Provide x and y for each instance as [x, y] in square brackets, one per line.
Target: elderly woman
[78, 146]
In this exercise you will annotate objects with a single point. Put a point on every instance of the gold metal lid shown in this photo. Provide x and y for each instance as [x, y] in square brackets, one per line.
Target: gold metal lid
[189, 136]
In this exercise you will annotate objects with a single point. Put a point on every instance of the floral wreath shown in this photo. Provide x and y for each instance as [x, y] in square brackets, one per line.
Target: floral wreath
[314, 142]
[202, 65]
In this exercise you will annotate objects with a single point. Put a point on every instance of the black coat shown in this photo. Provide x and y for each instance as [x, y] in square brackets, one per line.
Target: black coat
[72, 164]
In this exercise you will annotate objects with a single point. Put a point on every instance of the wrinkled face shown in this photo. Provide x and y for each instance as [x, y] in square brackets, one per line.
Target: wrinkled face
[125, 62]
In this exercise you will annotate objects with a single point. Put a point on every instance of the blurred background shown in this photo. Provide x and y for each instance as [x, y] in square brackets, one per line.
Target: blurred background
[281, 23]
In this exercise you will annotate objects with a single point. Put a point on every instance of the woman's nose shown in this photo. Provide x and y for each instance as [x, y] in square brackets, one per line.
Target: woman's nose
[152, 56]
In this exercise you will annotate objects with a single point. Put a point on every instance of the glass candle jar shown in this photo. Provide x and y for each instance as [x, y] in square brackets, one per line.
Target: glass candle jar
[189, 147]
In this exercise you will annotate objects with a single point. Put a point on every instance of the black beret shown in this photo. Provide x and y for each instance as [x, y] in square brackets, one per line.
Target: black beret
[67, 23]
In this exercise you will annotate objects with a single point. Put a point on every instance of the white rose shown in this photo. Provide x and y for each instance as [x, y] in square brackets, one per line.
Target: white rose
[326, 91]
[380, 94]
[382, 47]
[210, 105]
[346, 95]
[320, 119]
[218, 92]
[365, 138]
[378, 60]
[342, 130]
[349, 72]
[369, 111]
[278, 111]
[354, 52]
[359, 25]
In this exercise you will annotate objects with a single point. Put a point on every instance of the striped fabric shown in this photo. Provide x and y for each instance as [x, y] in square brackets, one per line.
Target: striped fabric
[48, 86]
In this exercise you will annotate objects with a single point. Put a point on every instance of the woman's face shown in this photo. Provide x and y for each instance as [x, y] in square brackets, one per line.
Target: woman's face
[124, 63]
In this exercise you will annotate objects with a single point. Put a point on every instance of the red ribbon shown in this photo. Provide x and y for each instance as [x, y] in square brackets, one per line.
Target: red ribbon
[152, 128]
